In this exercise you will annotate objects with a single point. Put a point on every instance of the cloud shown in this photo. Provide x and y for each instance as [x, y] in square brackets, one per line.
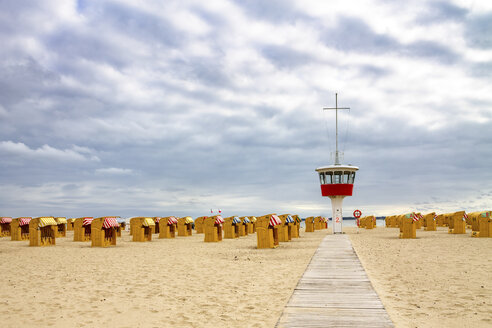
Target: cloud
[178, 107]
[442, 11]
[352, 34]
[114, 170]
[47, 152]
[478, 31]
[274, 10]
[286, 57]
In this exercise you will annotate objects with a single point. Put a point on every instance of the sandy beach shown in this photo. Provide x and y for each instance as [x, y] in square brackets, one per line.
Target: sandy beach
[436, 280]
[181, 282]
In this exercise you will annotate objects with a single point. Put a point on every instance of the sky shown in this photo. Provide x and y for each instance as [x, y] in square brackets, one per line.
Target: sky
[158, 108]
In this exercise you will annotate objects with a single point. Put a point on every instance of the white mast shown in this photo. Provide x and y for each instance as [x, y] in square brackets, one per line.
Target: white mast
[336, 108]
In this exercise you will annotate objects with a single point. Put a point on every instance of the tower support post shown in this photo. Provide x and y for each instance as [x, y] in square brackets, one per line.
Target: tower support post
[337, 214]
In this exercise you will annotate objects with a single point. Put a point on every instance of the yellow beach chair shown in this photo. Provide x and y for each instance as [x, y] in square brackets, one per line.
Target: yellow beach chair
[408, 226]
[266, 234]
[5, 226]
[168, 227]
[42, 231]
[103, 231]
[142, 228]
[212, 228]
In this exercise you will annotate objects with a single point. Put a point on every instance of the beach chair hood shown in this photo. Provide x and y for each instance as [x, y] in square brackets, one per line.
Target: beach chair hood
[110, 222]
[46, 221]
[61, 220]
[87, 221]
[218, 219]
[274, 220]
[24, 221]
[172, 220]
[147, 222]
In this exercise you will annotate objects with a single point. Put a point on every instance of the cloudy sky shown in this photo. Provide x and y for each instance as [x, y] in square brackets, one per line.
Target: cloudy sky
[176, 107]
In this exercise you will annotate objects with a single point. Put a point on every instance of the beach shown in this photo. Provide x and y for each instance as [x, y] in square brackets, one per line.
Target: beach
[436, 280]
[181, 282]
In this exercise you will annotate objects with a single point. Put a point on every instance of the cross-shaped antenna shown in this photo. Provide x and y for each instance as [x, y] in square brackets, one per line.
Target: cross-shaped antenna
[336, 108]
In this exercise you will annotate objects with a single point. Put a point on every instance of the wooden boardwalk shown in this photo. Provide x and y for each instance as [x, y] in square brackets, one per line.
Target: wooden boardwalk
[334, 291]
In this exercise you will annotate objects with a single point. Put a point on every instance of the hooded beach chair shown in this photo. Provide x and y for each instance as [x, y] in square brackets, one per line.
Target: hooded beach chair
[440, 220]
[485, 224]
[199, 224]
[285, 229]
[370, 222]
[121, 226]
[408, 226]
[167, 227]
[266, 234]
[429, 222]
[253, 224]
[457, 223]
[362, 222]
[244, 226]
[481, 224]
[156, 228]
[231, 227]
[82, 229]
[310, 226]
[394, 221]
[142, 228]
[297, 226]
[5, 226]
[61, 227]
[212, 228]
[103, 231]
[19, 228]
[42, 231]
[418, 223]
[70, 223]
[387, 220]
[185, 228]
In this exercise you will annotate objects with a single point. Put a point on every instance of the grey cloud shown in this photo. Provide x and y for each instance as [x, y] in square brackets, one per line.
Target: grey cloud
[273, 10]
[354, 35]
[439, 11]
[431, 50]
[286, 57]
[138, 24]
[483, 69]
[373, 71]
[478, 31]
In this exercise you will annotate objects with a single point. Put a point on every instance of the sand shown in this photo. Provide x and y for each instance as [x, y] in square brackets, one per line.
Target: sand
[436, 280]
[180, 282]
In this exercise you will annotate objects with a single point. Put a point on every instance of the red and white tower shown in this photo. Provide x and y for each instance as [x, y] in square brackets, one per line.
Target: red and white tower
[337, 181]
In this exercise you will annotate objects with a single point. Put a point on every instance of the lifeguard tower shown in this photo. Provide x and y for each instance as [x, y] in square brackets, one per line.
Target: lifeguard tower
[337, 180]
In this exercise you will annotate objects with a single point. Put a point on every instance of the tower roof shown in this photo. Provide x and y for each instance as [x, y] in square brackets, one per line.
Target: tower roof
[337, 168]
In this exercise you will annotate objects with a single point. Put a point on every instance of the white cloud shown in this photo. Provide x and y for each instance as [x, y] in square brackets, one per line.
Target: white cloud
[114, 170]
[47, 152]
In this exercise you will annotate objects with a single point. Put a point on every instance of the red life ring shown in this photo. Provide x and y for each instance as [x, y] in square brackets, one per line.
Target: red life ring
[357, 214]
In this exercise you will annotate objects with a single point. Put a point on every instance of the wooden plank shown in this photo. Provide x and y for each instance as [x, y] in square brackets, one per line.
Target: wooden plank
[334, 291]
[308, 317]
